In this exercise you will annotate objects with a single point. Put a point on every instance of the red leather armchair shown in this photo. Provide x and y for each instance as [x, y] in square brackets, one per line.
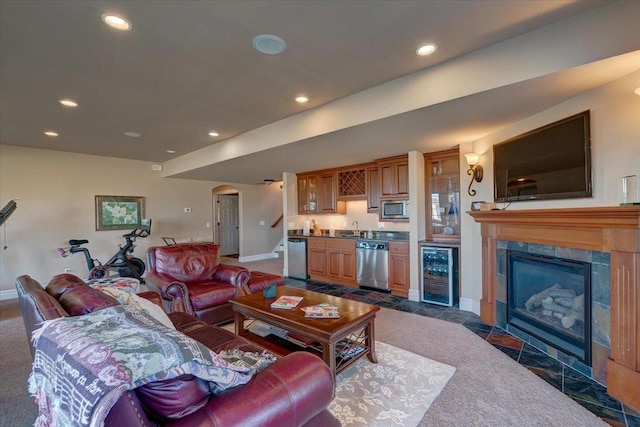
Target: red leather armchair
[191, 276]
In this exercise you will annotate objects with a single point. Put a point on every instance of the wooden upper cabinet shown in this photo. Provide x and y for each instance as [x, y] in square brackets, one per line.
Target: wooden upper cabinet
[373, 189]
[317, 194]
[352, 184]
[307, 194]
[327, 202]
[393, 177]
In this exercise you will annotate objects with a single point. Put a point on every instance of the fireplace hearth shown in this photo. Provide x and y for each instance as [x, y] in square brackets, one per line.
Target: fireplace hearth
[549, 298]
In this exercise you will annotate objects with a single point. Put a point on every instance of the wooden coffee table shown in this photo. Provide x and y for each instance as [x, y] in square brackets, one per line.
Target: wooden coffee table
[353, 330]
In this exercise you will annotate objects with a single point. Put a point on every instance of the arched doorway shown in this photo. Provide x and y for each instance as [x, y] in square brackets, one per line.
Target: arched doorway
[226, 214]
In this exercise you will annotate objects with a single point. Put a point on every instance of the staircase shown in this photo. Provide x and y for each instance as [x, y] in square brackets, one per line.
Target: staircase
[279, 249]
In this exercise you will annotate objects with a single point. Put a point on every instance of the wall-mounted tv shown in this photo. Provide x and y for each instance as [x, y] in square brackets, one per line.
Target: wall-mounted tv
[552, 162]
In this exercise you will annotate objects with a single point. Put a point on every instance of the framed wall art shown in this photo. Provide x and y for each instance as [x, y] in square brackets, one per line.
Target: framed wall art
[119, 212]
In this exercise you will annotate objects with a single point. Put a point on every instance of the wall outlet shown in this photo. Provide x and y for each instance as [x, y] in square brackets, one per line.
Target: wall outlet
[262, 223]
[67, 270]
[381, 226]
[291, 225]
[208, 225]
[344, 224]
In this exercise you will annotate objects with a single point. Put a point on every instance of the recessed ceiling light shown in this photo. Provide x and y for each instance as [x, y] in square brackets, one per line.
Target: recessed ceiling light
[427, 49]
[68, 103]
[116, 22]
[214, 133]
[301, 99]
[132, 134]
[51, 133]
[269, 44]
[171, 151]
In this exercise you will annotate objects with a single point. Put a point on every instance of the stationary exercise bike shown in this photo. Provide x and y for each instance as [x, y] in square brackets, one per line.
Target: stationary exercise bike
[123, 261]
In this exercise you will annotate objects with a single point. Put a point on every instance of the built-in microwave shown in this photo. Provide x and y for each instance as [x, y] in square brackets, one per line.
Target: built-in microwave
[394, 209]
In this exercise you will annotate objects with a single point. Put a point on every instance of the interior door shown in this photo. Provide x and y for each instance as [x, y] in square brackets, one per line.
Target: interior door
[228, 223]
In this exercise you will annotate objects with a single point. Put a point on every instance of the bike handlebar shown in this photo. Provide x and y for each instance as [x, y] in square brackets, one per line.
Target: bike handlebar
[138, 232]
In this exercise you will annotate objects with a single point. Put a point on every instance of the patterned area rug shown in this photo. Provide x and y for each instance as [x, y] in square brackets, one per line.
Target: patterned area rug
[397, 391]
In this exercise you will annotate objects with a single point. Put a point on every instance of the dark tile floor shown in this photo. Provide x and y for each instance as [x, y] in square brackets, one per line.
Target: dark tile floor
[579, 387]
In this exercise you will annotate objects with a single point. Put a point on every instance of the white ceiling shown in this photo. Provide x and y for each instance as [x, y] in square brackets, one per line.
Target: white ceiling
[188, 67]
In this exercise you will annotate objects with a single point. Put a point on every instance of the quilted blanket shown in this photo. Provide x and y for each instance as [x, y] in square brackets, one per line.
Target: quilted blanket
[83, 364]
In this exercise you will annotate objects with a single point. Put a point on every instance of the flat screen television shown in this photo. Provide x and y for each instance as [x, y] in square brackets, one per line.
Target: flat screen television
[552, 162]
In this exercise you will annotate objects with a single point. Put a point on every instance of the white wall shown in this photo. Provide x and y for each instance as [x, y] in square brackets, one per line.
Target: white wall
[615, 151]
[57, 191]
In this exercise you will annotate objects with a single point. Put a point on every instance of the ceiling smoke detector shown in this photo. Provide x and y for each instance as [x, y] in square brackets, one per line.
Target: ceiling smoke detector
[269, 44]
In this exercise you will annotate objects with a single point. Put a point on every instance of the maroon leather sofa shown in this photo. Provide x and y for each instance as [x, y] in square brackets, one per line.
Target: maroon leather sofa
[293, 391]
[190, 277]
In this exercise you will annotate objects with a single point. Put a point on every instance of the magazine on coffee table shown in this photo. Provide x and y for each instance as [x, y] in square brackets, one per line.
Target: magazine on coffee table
[286, 302]
[321, 311]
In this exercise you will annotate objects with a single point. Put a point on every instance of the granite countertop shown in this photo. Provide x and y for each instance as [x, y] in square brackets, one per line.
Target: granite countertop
[348, 234]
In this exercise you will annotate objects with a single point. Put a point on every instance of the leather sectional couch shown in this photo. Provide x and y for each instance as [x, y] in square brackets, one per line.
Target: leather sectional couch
[293, 391]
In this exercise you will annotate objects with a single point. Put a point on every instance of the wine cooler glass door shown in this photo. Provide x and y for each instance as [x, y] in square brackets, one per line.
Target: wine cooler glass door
[438, 275]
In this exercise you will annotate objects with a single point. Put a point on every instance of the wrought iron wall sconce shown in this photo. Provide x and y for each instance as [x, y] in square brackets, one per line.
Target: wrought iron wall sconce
[475, 170]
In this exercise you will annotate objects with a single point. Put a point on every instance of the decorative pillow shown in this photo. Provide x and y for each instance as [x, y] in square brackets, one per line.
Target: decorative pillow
[153, 310]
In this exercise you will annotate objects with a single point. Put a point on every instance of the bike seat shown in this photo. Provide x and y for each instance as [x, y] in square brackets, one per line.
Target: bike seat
[74, 242]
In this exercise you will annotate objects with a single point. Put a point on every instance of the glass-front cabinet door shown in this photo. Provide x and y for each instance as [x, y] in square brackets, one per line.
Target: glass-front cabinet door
[307, 194]
[443, 194]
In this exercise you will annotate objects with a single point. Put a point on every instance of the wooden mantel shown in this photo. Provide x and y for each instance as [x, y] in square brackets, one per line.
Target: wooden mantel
[613, 229]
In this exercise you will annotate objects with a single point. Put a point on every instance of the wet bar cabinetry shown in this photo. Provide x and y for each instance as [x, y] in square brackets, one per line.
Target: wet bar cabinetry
[442, 176]
[326, 191]
[317, 194]
[399, 277]
[332, 260]
[393, 177]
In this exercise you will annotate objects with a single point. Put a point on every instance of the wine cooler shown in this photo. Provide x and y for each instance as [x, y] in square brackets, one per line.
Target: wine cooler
[439, 275]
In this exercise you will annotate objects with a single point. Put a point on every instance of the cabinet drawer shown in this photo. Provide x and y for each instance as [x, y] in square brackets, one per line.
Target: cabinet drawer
[342, 244]
[400, 248]
[317, 243]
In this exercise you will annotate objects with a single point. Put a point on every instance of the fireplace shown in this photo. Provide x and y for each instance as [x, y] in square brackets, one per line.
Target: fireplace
[549, 298]
[611, 232]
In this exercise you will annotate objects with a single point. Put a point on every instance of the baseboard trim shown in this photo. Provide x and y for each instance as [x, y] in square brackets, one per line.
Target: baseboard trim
[468, 304]
[8, 294]
[258, 257]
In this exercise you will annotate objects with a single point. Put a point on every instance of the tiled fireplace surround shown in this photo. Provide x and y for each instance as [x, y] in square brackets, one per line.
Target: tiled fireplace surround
[600, 303]
[609, 238]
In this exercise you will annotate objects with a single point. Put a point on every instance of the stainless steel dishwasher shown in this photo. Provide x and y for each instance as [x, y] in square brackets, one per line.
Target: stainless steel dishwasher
[297, 249]
[373, 264]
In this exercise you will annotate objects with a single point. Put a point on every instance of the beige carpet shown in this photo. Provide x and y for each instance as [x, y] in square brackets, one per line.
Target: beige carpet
[396, 391]
[488, 388]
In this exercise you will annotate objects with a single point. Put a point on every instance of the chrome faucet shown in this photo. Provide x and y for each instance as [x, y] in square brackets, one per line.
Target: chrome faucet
[356, 232]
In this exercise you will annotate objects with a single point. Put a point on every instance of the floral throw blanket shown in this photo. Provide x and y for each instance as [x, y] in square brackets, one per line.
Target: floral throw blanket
[83, 364]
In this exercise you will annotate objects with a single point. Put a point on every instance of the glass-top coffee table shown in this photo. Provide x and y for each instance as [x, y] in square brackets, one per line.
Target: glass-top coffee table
[339, 342]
